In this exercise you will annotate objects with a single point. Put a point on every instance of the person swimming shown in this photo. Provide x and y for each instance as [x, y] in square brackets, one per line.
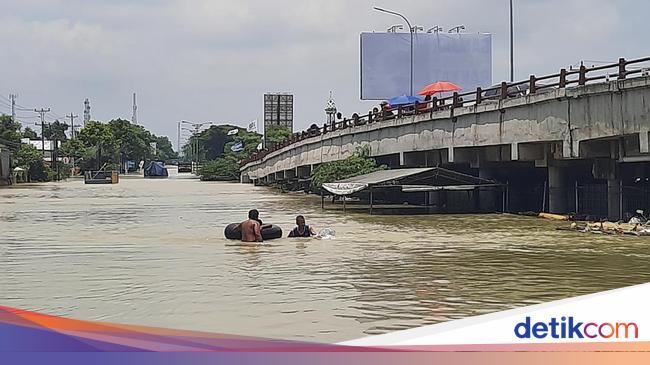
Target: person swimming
[302, 230]
[251, 229]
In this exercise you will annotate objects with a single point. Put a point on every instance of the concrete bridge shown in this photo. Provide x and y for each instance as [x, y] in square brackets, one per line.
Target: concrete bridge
[579, 144]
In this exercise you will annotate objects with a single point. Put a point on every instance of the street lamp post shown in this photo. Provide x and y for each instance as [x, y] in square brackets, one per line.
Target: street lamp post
[197, 128]
[512, 56]
[410, 31]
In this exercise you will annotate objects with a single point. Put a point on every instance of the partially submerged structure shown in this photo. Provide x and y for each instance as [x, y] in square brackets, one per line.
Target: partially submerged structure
[425, 190]
[101, 177]
[156, 169]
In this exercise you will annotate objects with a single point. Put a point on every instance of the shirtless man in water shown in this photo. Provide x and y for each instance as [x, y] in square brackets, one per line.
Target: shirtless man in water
[251, 230]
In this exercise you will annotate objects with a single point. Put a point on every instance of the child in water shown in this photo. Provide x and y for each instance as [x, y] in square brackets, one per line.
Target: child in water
[302, 230]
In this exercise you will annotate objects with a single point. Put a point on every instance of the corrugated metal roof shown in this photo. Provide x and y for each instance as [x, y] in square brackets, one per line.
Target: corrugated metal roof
[378, 177]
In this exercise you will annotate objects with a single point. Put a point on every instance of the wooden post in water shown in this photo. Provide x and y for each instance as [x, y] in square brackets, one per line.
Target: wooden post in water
[322, 199]
[344, 203]
[371, 201]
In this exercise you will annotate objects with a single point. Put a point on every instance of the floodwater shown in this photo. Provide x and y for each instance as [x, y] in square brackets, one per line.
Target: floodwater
[152, 252]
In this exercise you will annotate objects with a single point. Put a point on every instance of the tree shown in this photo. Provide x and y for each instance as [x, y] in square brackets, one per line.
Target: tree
[56, 130]
[31, 159]
[74, 148]
[29, 133]
[100, 137]
[164, 149]
[133, 141]
[358, 164]
[9, 130]
[275, 134]
[225, 168]
[214, 142]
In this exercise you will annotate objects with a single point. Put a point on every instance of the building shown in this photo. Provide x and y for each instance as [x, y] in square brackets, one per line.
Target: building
[278, 110]
[49, 149]
[5, 165]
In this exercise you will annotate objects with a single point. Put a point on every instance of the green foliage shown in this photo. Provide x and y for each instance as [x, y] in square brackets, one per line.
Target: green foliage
[29, 133]
[275, 134]
[164, 149]
[31, 159]
[133, 141]
[115, 142]
[9, 130]
[74, 148]
[225, 168]
[55, 130]
[99, 136]
[215, 145]
[214, 142]
[357, 164]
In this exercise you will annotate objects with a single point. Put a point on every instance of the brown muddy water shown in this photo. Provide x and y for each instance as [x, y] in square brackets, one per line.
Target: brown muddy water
[152, 252]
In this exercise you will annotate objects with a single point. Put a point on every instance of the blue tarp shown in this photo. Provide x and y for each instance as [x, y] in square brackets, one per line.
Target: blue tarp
[403, 100]
[155, 169]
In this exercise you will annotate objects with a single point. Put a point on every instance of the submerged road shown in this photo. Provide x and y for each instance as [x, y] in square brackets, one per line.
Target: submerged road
[152, 252]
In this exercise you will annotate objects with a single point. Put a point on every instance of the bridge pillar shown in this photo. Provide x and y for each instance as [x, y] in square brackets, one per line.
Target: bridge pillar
[244, 178]
[514, 151]
[558, 189]
[643, 140]
[614, 199]
[487, 198]
[413, 159]
[303, 172]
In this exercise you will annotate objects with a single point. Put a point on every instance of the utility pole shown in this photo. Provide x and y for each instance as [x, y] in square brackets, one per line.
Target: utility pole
[72, 116]
[134, 118]
[12, 97]
[42, 112]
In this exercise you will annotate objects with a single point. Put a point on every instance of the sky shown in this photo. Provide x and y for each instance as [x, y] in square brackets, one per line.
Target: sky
[212, 60]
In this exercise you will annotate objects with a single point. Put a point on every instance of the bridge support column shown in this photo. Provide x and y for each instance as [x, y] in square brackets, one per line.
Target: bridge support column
[244, 178]
[487, 198]
[643, 140]
[614, 199]
[514, 151]
[558, 190]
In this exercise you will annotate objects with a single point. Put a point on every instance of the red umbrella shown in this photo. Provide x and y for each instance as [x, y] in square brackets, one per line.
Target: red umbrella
[439, 87]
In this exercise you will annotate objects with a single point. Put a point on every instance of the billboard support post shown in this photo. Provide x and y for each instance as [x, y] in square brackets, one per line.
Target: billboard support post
[410, 30]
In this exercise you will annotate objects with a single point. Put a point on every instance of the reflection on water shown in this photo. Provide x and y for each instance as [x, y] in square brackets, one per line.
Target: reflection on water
[152, 252]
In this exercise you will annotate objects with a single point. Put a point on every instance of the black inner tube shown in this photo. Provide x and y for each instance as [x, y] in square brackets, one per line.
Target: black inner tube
[232, 232]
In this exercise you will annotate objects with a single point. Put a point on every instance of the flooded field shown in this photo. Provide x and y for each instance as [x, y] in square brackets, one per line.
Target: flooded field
[152, 252]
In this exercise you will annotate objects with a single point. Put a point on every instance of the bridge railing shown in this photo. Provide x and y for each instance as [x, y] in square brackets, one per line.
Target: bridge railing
[533, 85]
